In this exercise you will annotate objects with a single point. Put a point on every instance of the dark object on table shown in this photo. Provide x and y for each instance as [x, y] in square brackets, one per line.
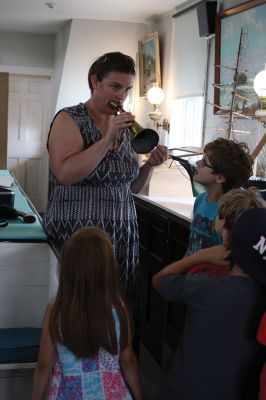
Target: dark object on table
[259, 183]
[190, 168]
[187, 165]
[3, 223]
[7, 196]
[9, 212]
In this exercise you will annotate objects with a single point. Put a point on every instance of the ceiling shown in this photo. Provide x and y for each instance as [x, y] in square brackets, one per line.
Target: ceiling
[48, 16]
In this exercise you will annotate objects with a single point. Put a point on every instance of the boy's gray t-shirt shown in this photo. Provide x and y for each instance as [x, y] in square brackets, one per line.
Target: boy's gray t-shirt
[217, 354]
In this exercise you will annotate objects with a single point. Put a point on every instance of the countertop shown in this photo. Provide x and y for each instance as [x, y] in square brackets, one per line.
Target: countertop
[180, 206]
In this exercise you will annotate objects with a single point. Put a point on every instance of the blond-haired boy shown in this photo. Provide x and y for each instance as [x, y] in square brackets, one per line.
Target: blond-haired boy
[218, 356]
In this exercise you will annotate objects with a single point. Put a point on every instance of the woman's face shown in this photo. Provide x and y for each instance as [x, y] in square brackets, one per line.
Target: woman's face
[115, 86]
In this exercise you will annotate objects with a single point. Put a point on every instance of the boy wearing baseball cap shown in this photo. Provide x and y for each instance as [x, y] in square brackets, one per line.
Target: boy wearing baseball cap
[252, 260]
[218, 356]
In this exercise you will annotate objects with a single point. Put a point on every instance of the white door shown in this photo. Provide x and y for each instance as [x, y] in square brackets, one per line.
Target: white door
[28, 124]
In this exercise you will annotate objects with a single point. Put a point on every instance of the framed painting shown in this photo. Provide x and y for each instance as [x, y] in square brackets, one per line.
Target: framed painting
[149, 63]
[240, 53]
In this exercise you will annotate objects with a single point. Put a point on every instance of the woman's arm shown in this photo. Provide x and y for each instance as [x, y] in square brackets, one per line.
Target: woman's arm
[158, 156]
[45, 360]
[218, 255]
[70, 162]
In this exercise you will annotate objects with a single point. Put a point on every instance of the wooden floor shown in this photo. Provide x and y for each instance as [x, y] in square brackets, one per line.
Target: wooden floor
[16, 384]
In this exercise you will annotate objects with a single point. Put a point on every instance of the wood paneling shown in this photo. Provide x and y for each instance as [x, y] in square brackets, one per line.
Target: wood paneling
[3, 118]
[163, 239]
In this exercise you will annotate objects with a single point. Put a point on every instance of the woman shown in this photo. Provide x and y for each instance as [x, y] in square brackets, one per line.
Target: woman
[96, 170]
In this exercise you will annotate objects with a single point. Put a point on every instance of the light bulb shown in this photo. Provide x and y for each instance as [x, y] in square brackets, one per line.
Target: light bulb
[155, 95]
[259, 83]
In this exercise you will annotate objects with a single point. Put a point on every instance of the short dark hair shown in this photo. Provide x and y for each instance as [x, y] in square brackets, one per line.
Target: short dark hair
[110, 62]
[231, 159]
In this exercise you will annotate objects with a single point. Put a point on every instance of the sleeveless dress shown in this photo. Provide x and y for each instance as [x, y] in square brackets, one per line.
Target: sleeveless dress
[103, 199]
[98, 378]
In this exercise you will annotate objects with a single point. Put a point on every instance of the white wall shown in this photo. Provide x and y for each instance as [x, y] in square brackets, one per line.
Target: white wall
[26, 50]
[89, 39]
[68, 55]
[61, 43]
[165, 27]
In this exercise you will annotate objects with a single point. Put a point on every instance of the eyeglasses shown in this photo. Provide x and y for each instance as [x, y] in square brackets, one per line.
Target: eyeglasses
[203, 163]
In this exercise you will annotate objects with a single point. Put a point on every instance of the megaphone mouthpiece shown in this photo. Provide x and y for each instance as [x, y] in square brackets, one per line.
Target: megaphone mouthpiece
[143, 140]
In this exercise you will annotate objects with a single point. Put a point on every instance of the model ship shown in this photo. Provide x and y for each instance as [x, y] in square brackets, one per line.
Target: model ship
[241, 106]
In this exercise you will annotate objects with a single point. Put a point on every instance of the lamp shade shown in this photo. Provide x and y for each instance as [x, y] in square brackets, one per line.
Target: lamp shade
[259, 83]
[155, 95]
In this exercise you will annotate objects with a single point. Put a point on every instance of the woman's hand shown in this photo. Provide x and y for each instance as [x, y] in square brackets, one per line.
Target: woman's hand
[121, 121]
[158, 156]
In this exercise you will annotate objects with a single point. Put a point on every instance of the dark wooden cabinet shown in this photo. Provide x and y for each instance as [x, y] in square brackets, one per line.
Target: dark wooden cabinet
[163, 239]
[175, 312]
[153, 230]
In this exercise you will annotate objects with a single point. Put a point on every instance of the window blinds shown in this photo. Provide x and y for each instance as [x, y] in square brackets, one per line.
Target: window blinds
[186, 122]
[188, 56]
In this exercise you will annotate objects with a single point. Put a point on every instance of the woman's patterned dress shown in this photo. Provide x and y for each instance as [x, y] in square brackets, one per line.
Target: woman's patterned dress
[103, 199]
[98, 378]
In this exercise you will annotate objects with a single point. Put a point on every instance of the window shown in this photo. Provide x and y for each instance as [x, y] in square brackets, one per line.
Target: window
[187, 81]
[186, 122]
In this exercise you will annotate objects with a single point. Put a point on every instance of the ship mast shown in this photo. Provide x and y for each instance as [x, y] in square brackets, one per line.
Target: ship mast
[235, 83]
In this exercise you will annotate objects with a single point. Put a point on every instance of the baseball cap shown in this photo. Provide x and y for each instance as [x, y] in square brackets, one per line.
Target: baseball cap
[248, 244]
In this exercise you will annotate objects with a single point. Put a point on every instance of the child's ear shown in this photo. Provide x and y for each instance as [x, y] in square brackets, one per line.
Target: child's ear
[220, 227]
[225, 236]
[220, 178]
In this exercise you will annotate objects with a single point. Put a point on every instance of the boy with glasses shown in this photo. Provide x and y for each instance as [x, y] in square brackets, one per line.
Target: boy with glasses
[226, 164]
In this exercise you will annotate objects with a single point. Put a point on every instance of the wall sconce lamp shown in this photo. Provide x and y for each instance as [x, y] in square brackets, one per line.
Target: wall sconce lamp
[155, 96]
[259, 85]
[165, 125]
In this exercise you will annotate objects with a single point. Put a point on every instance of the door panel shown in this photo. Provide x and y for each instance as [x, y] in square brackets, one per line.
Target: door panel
[28, 126]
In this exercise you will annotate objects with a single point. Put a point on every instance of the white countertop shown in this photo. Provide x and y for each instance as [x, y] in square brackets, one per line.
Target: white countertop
[180, 206]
